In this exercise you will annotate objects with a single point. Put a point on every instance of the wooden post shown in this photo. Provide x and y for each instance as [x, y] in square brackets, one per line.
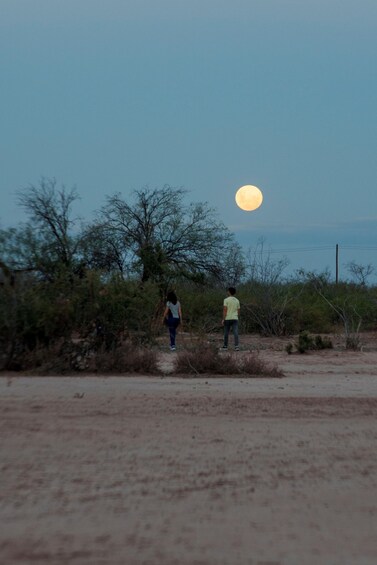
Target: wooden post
[337, 263]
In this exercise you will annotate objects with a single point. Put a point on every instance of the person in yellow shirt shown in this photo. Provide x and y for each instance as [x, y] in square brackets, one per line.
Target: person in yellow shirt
[231, 311]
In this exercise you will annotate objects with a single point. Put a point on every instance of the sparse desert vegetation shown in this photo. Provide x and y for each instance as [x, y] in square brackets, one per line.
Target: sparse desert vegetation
[68, 293]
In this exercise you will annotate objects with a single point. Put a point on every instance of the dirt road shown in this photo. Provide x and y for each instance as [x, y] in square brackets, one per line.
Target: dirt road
[137, 470]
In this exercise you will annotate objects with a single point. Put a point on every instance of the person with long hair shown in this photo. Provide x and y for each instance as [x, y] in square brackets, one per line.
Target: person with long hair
[172, 317]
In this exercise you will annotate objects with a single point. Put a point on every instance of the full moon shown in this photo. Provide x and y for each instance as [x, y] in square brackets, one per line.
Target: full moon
[249, 197]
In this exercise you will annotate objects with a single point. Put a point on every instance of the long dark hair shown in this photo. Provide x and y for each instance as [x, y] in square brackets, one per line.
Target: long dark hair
[171, 297]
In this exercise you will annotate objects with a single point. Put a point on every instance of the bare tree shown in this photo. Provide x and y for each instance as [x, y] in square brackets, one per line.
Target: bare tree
[271, 297]
[261, 267]
[344, 305]
[160, 237]
[47, 241]
[360, 273]
[104, 250]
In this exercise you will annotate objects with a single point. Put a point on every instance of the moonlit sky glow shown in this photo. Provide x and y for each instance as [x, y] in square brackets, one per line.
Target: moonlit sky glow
[208, 95]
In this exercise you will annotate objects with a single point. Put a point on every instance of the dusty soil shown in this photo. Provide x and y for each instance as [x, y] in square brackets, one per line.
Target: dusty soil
[206, 471]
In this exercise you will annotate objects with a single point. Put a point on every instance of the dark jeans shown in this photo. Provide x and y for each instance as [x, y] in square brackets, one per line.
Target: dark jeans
[173, 324]
[227, 325]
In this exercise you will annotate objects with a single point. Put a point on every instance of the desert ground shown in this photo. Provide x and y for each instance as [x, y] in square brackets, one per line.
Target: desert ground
[138, 470]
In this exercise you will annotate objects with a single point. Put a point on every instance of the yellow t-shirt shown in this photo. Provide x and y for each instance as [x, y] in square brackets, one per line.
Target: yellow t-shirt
[232, 304]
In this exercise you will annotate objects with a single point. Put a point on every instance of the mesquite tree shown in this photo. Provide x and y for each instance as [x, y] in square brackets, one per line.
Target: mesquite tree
[160, 238]
[48, 242]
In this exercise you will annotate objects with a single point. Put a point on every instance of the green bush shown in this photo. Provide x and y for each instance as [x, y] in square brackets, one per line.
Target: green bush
[322, 342]
[307, 342]
[202, 307]
[37, 313]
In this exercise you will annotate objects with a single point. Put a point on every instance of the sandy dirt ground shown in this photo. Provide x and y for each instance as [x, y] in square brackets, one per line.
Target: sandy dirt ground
[182, 471]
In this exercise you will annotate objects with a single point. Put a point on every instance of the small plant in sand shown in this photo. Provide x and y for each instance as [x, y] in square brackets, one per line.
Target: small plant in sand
[208, 360]
[252, 365]
[323, 342]
[289, 348]
[353, 342]
[307, 342]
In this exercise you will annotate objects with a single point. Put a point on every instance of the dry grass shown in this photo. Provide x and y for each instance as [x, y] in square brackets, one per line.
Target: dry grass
[208, 360]
[127, 358]
[82, 357]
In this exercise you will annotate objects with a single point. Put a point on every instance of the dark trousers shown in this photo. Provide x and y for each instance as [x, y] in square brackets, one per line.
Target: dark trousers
[173, 324]
[227, 325]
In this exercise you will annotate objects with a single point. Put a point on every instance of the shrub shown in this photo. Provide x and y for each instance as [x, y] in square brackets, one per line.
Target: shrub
[323, 342]
[353, 342]
[84, 356]
[289, 348]
[204, 360]
[202, 309]
[253, 365]
[208, 360]
[307, 342]
[126, 359]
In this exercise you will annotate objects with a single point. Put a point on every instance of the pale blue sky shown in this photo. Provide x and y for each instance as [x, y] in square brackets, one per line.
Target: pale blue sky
[113, 95]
